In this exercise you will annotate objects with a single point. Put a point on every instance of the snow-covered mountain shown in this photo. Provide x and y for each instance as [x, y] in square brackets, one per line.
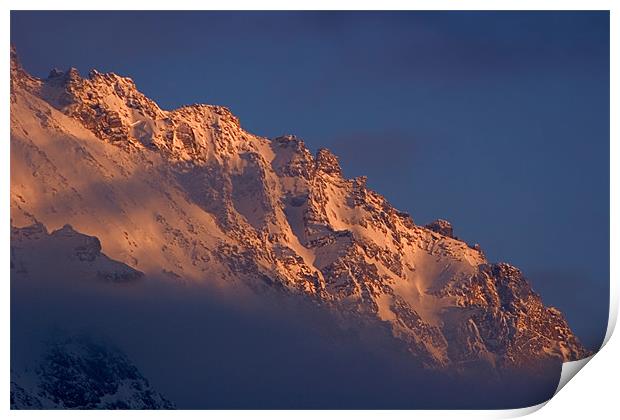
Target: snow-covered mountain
[77, 372]
[189, 195]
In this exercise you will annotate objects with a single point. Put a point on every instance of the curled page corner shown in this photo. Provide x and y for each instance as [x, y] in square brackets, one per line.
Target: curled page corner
[520, 412]
[569, 370]
[613, 314]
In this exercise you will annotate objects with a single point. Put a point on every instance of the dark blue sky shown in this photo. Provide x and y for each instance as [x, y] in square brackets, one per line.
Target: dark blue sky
[498, 122]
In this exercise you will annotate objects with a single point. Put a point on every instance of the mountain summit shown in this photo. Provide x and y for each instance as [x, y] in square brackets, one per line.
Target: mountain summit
[189, 195]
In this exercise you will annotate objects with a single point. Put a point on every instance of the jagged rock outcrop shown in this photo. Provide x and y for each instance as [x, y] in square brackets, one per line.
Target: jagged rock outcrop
[328, 163]
[443, 227]
[190, 195]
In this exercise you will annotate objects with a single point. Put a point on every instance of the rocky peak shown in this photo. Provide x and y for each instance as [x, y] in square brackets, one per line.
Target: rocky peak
[289, 140]
[441, 226]
[293, 158]
[54, 73]
[123, 86]
[73, 75]
[295, 145]
[204, 111]
[225, 113]
[19, 77]
[327, 162]
[15, 64]
[105, 103]
[359, 182]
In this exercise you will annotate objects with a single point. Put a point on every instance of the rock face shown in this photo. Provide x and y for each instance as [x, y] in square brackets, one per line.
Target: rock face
[80, 373]
[443, 227]
[188, 194]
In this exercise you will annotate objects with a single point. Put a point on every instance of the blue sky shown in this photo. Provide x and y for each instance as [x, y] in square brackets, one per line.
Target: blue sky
[496, 121]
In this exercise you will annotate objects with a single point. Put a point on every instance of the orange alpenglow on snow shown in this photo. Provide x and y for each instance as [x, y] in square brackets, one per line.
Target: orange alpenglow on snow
[189, 195]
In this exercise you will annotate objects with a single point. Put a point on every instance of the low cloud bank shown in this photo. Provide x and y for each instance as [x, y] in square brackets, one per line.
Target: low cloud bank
[206, 348]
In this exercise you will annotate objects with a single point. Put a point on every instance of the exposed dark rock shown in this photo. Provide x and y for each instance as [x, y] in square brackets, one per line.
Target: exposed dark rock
[441, 226]
[327, 162]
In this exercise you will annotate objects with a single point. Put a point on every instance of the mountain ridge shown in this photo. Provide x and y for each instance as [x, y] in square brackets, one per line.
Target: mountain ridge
[189, 194]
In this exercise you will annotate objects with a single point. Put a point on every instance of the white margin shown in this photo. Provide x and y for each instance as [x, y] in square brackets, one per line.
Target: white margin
[571, 367]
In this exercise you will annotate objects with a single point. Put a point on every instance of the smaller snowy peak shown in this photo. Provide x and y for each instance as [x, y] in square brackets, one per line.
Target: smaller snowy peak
[79, 372]
[327, 162]
[441, 226]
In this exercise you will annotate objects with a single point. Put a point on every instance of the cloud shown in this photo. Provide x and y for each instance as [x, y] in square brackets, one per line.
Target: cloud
[204, 347]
